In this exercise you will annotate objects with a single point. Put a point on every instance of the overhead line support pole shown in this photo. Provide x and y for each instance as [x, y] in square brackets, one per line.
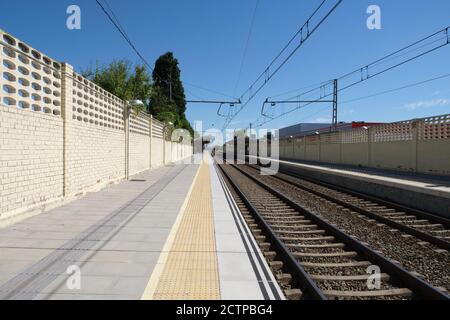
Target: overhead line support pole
[335, 105]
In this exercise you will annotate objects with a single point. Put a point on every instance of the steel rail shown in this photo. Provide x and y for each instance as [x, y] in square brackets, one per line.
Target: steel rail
[402, 227]
[387, 203]
[417, 285]
[291, 263]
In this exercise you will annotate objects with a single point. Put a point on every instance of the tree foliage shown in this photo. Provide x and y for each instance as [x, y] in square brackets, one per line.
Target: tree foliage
[122, 80]
[167, 85]
[135, 83]
[161, 107]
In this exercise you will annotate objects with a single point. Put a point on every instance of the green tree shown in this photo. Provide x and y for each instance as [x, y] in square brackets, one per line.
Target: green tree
[139, 84]
[166, 77]
[128, 83]
[120, 79]
[159, 103]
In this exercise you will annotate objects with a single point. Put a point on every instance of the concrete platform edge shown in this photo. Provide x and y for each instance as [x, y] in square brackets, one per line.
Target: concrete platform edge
[231, 290]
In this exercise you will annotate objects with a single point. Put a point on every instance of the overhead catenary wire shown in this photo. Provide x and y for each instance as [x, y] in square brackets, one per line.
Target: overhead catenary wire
[118, 26]
[116, 22]
[383, 60]
[396, 89]
[210, 90]
[364, 72]
[392, 54]
[116, 18]
[395, 66]
[359, 98]
[309, 27]
[244, 55]
[315, 86]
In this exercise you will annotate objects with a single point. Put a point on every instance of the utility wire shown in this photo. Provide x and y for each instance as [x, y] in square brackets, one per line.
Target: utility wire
[396, 89]
[395, 66]
[123, 33]
[374, 63]
[381, 93]
[209, 90]
[116, 22]
[244, 56]
[364, 71]
[116, 19]
[360, 98]
[315, 86]
[309, 27]
[390, 57]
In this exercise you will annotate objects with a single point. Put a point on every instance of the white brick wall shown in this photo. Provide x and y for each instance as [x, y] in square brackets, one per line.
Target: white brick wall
[139, 152]
[62, 135]
[94, 156]
[31, 158]
[157, 152]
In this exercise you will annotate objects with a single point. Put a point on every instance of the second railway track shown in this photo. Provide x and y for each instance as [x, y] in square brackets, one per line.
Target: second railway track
[422, 225]
[324, 262]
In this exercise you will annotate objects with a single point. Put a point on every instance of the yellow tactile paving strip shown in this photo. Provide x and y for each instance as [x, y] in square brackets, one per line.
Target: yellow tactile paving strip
[190, 270]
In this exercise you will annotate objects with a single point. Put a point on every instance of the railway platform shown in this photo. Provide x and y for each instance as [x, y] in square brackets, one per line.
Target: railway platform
[427, 192]
[170, 233]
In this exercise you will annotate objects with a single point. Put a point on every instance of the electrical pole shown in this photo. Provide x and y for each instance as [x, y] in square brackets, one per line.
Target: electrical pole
[334, 123]
[335, 105]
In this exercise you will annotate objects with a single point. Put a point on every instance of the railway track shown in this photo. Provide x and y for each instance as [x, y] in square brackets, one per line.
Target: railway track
[422, 225]
[309, 253]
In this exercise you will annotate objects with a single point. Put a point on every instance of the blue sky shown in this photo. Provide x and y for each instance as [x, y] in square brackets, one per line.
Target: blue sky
[208, 38]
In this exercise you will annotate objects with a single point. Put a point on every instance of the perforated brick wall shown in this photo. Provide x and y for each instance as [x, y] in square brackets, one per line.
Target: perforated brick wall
[414, 146]
[62, 135]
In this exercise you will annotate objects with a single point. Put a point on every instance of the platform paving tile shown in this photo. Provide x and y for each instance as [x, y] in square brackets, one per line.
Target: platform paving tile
[230, 243]
[90, 284]
[226, 227]
[189, 270]
[75, 296]
[141, 230]
[113, 241]
[145, 257]
[234, 266]
[134, 246]
[132, 286]
[240, 270]
[106, 268]
[22, 254]
[240, 290]
[9, 268]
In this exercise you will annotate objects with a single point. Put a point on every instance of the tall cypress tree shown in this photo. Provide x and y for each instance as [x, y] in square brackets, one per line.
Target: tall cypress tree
[166, 77]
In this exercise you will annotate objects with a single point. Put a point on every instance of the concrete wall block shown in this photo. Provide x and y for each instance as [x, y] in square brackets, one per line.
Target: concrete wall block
[61, 134]
[413, 146]
[157, 152]
[139, 152]
[355, 154]
[393, 155]
[26, 181]
[94, 156]
[434, 156]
